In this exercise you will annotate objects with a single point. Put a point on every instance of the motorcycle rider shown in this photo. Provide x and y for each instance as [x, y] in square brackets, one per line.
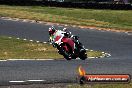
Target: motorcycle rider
[53, 33]
[65, 33]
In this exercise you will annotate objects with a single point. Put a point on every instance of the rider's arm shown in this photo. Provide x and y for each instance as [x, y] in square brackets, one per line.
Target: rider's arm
[51, 39]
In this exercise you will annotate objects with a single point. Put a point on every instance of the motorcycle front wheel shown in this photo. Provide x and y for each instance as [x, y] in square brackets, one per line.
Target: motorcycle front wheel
[67, 51]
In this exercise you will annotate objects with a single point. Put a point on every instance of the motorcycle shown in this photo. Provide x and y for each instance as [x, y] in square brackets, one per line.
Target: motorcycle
[70, 48]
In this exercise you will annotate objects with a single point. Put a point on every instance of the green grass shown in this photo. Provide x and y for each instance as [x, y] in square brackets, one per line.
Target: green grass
[94, 53]
[19, 49]
[118, 19]
[101, 86]
[13, 48]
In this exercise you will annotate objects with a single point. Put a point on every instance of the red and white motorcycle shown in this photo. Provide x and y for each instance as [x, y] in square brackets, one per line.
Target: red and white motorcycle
[70, 47]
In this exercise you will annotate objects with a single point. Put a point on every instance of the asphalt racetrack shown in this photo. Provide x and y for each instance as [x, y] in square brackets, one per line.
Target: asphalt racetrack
[119, 45]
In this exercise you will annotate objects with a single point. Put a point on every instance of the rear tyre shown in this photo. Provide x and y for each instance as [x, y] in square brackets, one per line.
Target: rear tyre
[83, 55]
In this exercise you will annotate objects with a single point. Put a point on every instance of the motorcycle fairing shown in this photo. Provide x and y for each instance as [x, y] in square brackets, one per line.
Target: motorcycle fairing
[57, 38]
[69, 41]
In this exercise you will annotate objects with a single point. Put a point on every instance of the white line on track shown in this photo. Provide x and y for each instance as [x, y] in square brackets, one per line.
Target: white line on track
[37, 41]
[3, 60]
[7, 19]
[45, 42]
[36, 80]
[15, 19]
[17, 81]
[44, 59]
[25, 20]
[18, 59]
[91, 57]
[40, 22]
[18, 38]
[103, 52]
[9, 37]
[28, 59]
[24, 39]
[31, 40]
[87, 49]
[74, 26]
[32, 21]
[66, 25]
[14, 81]
[91, 50]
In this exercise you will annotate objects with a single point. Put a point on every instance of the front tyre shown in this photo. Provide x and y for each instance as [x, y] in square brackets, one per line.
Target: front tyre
[67, 51]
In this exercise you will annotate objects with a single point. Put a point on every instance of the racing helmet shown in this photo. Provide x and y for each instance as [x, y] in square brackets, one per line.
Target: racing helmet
[52, 30]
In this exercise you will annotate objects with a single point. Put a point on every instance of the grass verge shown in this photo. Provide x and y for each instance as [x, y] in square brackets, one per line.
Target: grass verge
[19, 49]
[101, 86]
[117, 19]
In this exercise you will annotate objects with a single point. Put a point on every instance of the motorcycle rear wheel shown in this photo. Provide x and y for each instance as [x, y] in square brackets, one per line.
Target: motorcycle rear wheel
[83, 55]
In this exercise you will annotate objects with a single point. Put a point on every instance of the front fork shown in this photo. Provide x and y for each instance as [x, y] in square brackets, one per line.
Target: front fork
[60, 51]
